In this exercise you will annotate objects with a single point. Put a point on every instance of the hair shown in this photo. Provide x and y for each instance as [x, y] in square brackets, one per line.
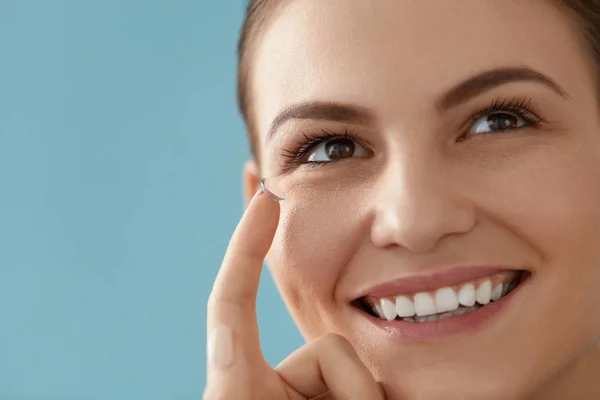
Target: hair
[585, 15]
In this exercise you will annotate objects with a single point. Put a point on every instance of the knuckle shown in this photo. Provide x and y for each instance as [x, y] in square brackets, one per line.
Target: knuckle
[218, 301]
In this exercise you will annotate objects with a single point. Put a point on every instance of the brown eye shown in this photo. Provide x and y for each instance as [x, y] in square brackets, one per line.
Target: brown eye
[501, 122]
[336, 149]
[497, 122]
[339, 148]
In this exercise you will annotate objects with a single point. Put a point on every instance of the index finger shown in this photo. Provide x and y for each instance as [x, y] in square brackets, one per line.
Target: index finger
[232, 302]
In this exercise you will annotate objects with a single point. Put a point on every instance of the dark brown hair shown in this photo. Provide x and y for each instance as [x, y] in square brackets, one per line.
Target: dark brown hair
[585, 15]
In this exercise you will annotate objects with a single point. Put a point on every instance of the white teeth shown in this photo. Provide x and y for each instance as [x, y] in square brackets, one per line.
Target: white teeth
[404, 307]
[497, 292]
[484, 292]
[446, 300]
[389, 309]
[443, 303]
[424, 304]
[466, 295]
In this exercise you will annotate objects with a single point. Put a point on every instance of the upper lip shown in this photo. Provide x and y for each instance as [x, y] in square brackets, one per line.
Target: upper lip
[432, 281]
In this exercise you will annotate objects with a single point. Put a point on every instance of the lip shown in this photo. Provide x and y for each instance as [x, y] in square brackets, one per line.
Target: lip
[432, 281]
[427, 331]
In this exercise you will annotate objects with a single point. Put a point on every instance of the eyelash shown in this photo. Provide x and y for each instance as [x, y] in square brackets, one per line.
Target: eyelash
[294, 156]
[519, 106]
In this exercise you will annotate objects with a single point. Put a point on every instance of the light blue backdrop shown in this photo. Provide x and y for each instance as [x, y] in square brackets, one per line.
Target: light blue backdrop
[120, 158]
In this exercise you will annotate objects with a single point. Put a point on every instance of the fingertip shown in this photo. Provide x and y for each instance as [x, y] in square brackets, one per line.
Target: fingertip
[266, 206]
[255, 231]
[258, 193]
[261, 223]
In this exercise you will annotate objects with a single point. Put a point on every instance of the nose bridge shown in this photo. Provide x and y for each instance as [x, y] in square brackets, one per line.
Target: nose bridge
[418, 203]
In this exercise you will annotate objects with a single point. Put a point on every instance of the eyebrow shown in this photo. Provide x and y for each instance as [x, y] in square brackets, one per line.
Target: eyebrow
[472, 87]
[488, 80]
[324, 111]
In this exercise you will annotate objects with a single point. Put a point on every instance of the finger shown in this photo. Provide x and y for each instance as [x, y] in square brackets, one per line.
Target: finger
[233, 339]
[329, 364]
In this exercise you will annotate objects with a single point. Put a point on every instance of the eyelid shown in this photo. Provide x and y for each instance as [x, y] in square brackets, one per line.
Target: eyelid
[312, 140]
[295, 153]
[522, 106]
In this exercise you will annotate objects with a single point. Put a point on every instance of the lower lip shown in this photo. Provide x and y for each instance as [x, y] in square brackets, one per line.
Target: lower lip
[466, 323]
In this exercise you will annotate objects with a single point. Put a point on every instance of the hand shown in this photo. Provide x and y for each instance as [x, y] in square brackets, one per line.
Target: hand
[237, 370]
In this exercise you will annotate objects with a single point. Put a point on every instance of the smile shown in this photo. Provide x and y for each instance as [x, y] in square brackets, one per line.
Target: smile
[444, 309]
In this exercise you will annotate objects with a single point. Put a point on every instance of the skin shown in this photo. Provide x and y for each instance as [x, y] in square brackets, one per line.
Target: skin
[422, 200]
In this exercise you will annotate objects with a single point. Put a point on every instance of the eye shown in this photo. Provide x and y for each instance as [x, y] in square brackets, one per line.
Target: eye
[497, 122]
[335, 150]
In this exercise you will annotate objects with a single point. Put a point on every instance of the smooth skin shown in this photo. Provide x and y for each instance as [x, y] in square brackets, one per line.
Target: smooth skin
[328, 366]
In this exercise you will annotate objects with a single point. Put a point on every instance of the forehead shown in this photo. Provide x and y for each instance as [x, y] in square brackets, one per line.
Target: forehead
[398, 55]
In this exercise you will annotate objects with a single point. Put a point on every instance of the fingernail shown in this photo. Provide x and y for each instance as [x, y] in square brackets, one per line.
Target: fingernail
[220, 347]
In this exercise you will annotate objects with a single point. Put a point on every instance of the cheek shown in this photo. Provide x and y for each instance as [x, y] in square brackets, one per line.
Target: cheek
[312, 246]
[552, 202]
[556, 205]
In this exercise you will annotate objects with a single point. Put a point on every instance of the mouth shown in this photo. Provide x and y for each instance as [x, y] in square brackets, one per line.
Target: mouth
[442, 310]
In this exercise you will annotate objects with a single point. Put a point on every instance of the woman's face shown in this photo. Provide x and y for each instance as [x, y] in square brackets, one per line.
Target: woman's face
[424, 145]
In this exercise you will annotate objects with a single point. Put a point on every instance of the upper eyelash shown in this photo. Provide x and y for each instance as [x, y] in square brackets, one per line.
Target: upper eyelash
[312, 140]
[522, 106]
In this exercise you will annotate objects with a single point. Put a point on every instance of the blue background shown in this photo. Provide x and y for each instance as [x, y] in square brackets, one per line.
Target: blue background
[121, 151]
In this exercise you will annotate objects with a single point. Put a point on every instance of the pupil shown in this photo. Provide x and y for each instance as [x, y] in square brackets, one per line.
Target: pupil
[339, 148]
[502, 122]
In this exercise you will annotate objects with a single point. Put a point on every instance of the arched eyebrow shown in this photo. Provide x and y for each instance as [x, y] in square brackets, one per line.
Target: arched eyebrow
[489, 80]
[323, 111]
[461, 93]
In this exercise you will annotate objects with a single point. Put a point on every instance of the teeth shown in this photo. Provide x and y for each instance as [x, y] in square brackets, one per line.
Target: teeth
[466, 295]
[443, 303]
[424, 304]
[389, 309]
[484, 292]
[446, 300]
[497, 292]
[404, 307]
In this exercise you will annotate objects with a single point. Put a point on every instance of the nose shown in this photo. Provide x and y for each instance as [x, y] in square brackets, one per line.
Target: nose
[417, 206]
